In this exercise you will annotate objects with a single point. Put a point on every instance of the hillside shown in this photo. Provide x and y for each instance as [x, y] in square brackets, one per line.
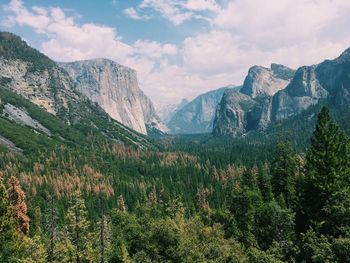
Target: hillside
[38, 79]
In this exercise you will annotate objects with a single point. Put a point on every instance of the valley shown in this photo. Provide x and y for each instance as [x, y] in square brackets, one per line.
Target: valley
[89, 172]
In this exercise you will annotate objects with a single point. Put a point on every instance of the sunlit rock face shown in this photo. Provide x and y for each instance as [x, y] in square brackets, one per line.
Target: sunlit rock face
[115, 88]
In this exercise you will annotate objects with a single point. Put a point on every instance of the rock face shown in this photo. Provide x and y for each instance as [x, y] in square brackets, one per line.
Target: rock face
[40, 80]
[273, 102]
[250, 108]
[262, 81]
[115, 88]
[230, 116]
[311, 84]
[26, 76]
[198, 115]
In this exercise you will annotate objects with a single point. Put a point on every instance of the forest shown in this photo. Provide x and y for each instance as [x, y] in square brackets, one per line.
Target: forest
[243, 201]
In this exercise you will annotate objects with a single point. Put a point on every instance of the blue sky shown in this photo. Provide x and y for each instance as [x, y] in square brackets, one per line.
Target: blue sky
[183, 48]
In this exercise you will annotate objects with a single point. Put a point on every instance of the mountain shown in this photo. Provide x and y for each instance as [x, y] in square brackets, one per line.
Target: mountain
[325, 83]
[311, 84]
[262, 81]
[115, 88]
[38, 94]
[197, 116]
[168, 111]
[250, 108]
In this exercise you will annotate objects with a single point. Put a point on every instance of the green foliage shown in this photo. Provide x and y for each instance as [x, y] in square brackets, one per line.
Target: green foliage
[341, 249]
[316, 248]
[209, 203]
[77, 230]
[13, 47]
[326, 177]
[284, 171]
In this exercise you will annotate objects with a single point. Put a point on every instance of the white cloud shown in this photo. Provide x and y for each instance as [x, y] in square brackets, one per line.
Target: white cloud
[247, 32]
[283, 22]
[201, 5]
[169, 9]
[68, 40]
[175, 11]
[153, 49]
[132, 13]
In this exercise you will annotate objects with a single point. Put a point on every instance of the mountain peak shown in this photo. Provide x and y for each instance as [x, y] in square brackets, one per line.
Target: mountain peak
[264, 81]
[346, 54]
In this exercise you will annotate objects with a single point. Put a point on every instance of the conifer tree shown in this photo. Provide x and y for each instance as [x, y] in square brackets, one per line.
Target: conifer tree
[18, 206]
[77, 227]
[52, 230]
[9, 241]
[121, 204]
[264, 182]
[283, 171]
[326, 177]
[202, 202]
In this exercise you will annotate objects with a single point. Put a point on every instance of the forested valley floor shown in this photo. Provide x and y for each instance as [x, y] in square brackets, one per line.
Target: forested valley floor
[183, 201]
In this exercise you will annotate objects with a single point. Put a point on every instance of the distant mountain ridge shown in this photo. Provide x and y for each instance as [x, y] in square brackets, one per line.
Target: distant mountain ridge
[168, 111]
[197, 116]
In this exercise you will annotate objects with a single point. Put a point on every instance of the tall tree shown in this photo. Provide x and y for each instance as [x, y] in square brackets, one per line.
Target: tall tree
[18, 206]
[77, 226]
[8, 232]
[326, 177]
[52, 230]
[283, 171]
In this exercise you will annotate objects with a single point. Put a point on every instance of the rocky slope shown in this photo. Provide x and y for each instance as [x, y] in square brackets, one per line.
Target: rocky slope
[250, 108]
[115, 88]
[197, 116]
[34, 76]
[311, 84]
[26, 72]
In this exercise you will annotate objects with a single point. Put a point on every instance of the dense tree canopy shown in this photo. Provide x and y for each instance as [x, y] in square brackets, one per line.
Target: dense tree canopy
[106, 202]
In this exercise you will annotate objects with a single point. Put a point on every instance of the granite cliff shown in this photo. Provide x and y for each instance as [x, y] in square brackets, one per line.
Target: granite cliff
[115, 88]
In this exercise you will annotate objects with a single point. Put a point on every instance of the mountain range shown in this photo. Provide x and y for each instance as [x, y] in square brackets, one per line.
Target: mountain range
[105, 96]
[272, 95]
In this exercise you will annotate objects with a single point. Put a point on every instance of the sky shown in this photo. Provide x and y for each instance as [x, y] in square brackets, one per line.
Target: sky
[183, 48]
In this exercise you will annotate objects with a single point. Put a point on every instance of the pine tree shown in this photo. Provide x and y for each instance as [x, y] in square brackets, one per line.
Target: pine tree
[283, 171]
[121, 204]
[326, 176]
[52, 231]
[264, 183]
[77, 227]
[9, 241]
[18, 206]
[104, 233]
[203, 204]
